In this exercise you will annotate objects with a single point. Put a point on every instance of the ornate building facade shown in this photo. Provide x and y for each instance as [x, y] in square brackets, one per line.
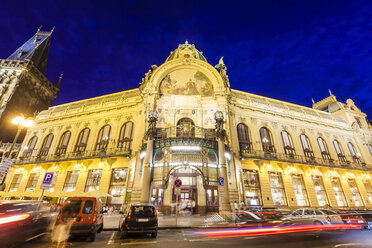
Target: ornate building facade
[184, 121]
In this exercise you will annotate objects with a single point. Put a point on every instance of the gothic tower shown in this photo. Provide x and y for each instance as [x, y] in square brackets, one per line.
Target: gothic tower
[24, 87]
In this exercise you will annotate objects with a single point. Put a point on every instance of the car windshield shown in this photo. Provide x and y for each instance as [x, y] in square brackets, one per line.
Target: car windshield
[88, 207]
[143, 211]
[73, 206]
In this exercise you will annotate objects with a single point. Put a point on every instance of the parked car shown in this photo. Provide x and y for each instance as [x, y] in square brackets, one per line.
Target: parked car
[273, 215]
[22, 220]
[139, 218]
[367, 216]
[313, 216]
[87, 213]
[351, 217]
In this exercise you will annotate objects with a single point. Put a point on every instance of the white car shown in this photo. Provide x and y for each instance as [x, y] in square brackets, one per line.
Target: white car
[311, 216]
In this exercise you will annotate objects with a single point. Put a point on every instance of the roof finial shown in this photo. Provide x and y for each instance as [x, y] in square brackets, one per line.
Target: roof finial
[312, 99]
[59, 81]
[221, 61]
[330, 93]
[38, 30]
[186, 42]
[51, 31]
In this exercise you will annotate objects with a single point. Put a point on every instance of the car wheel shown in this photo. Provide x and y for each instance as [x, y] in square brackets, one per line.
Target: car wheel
[123, 235]
[154, 234]
[92, 237]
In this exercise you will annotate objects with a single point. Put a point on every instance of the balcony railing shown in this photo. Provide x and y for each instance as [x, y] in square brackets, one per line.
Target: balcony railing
[113, 152]
[304, 160]
[186, 131]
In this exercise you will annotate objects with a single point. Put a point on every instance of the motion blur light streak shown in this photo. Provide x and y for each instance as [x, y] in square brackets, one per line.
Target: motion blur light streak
[238, 232]
[13, 218]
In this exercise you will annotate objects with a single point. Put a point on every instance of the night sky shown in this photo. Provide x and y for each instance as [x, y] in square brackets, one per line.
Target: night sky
[288, 50]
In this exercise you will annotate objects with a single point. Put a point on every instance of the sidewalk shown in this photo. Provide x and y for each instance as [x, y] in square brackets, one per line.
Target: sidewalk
[112, 221]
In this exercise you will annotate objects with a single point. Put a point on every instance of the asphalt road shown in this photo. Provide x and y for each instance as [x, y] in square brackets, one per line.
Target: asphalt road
[188, 238]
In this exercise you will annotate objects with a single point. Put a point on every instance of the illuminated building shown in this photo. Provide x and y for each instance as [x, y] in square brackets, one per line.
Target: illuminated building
[184, 121]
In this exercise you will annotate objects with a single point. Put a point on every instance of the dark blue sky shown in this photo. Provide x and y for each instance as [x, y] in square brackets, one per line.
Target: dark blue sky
[288, 50]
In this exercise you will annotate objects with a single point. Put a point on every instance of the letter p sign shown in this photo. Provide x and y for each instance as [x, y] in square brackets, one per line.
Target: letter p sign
[48, 178]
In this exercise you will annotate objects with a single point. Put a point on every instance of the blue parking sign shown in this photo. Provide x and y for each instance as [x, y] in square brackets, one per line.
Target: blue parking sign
[221, 181]
[48, 178]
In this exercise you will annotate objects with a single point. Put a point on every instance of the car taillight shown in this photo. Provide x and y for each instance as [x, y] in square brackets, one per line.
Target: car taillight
[14, 218]
[328, 218]
[130, 213]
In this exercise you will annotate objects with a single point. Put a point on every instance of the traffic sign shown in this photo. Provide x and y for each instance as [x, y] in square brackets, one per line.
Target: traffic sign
[177, 183]
[48, 178]
[221, 181]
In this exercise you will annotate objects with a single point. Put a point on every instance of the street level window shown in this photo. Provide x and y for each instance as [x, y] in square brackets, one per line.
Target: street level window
[323, 149]
[71, 180]
[277, 189]
[82, 140]
[368, 187]
[339, 192]
[266, 140]
[287, 143]
[103, 138]
[300, 190]
[53, 183]
[93, 179]
[126, 136]
[29, 149]
[353, 153]
[245, 143]
[15, 182]
[157, 195]
[308, 151]
[320, 192]
[32, 181]
[46, 145]
[252, 188]
[355, 192]
[117, 185]
[63, 143]
[339, 151]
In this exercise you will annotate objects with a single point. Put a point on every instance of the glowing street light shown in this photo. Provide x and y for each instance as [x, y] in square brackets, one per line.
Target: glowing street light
[21, 122]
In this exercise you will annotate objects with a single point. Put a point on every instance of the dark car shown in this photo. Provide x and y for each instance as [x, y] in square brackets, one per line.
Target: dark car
[22, 220]
[139, 218]
[352, 217]
[367, 216]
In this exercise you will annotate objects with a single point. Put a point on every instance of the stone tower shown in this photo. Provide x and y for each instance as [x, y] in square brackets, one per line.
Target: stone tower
[24, 87]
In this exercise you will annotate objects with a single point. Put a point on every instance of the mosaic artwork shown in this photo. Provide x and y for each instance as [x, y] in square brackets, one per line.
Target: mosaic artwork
[186, 82]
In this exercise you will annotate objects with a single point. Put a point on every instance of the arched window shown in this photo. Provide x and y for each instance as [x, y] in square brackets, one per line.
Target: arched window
[245, 143]
[185, 128]
[323, 149]
[308, 151]
[46, 145]
[266, 140]
[339, 151]
[63, 143]
[287, 143]
[28, 150]
[82, 141]
[126, 136]
[103, 138]
[354, 153]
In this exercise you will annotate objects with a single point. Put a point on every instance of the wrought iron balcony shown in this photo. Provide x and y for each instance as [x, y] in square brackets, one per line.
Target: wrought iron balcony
[104, 153]
[290, 158]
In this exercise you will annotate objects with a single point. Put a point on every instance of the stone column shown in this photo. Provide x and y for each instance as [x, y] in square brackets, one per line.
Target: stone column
[223, 190]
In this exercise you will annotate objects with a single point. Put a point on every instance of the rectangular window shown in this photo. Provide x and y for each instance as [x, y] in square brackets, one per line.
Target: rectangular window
[277, 189]
[94, 177]
[32, 181]
[339, 193]
[368, 186]
[71, 180]
[300, 190]
[355, 192]
[320, 192]
[117, 185]
[252, 188]
[15, 182]
[53, 183]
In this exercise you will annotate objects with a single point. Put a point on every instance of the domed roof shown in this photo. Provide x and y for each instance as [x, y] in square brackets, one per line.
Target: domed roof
[184, 51]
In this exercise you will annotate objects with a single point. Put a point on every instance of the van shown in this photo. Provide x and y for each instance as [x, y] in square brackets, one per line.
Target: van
[87, 213]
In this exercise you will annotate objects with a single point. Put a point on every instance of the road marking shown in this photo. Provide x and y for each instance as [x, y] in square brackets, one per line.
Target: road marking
[193, 240]
[34, 237]
[348, 244]
[183, 234]
[111, 241]
[140, 243]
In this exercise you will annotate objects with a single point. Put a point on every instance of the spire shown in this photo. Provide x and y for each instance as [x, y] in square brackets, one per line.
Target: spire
[58, 84]
[330, 93]
[312, 99]
[36, 49]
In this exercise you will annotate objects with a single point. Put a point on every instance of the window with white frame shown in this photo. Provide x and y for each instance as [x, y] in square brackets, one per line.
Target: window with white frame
[46, 145]
[28, 150]
[126, 136]
[277, 189]
[287, 143]
[32, 181]
[266, 140]
[15, 182]
[252, 188]
[117, 185]
[339, 192]
[82, 140]
[320, 191]
[368, 187]
[63, 143]
[354, 153]
[300, 190]
[323, 149]
[245, 143]
[71, 180]
[93, 179]
[54, 180]
[308, 151]
[103, 138]
[355, 192]
[339, 151]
